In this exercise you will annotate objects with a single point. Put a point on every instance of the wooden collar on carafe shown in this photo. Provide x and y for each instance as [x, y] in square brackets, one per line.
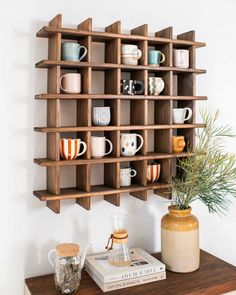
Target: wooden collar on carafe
[117, 238]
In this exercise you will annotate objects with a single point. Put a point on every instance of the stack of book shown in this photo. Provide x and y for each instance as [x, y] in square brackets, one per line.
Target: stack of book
[143, 269]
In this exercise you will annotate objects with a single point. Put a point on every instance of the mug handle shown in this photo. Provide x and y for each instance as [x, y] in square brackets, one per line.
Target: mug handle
[60, 83]
[111, 147]
[84, 148]
[85, 52]
[141, 144]
[133, 173]
[190, 112]
[139, 53]
[141, 85]
[163, 58]
[49, 257]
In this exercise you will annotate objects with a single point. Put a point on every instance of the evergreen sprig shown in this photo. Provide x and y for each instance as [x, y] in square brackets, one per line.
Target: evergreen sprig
[209, 174]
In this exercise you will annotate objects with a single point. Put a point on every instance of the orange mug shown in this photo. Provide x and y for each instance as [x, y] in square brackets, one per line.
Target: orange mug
[70, 147]
[153, 172]
[178, 144]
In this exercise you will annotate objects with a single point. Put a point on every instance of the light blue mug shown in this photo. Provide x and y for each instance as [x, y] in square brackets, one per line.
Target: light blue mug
[72, 51]
[155, 57]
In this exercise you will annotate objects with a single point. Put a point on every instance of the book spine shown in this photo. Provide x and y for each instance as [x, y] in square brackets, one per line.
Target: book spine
[148, 270]
[127, 283]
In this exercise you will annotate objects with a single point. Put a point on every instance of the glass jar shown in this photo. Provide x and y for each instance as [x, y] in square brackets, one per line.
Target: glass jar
[67, 271]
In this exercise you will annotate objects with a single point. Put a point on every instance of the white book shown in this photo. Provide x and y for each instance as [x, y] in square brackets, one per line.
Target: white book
[127, 283]
[142, 264]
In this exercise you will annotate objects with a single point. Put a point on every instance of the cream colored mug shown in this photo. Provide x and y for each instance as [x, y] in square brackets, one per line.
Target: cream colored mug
[181, 115]
[128, 143]
[181, 58]
[125, 176]
[98, 146]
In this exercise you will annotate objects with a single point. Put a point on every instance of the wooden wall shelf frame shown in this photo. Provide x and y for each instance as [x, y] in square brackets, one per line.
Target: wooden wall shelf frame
[159, 132]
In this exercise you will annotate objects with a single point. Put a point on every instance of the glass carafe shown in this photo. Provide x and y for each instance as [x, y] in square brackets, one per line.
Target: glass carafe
[119, 254]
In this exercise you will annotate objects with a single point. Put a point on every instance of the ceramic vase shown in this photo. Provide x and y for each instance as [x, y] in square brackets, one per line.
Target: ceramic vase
[180, 240]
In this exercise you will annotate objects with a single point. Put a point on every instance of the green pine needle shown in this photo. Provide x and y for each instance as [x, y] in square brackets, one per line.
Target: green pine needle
[210, 174]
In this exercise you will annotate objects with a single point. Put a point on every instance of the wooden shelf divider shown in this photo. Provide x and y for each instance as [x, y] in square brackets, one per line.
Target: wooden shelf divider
[162, 128]
[54, 115]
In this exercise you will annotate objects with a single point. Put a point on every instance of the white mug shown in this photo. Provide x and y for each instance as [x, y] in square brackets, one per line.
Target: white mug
[130, 54]
[128, 143]
[98, 146]
[125, 176]
[155, 85]
[101, 116]
[71, 83]
[130, 49]
[181, 58]
[180, 115]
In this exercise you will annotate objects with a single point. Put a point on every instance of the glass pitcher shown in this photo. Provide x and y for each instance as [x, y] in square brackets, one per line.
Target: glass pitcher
[67, 267]
[119, 254]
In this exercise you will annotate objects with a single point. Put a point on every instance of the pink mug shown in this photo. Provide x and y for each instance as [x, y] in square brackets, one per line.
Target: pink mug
[71, 83]
[70, 147]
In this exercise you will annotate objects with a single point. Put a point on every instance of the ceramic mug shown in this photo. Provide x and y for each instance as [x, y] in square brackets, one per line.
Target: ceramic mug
[132, 87]
[98, 146]
[155, 57]
[181, 115]
[71, 83]
[72, 51]
[130, 54]
[130, 49]
[70, 147]
[153, 172]
[181, 58]
[178, 144]
[128, 143]
[125, 176]
[156, 85]
[101, 116]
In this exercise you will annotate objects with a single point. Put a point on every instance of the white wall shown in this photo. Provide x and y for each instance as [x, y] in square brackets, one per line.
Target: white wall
[28, 229]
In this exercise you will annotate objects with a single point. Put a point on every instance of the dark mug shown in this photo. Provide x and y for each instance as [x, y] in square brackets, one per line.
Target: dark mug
[132, 87]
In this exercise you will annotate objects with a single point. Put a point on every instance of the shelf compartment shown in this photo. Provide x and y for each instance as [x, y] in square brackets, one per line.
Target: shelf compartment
[140, 178]
[114, 96]
[108, 66]
[96, 190]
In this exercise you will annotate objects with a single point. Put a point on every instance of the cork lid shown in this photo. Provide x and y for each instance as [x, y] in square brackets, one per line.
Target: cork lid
[67, 249]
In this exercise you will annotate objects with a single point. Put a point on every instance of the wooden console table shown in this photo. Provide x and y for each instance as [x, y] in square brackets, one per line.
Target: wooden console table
[214, 277]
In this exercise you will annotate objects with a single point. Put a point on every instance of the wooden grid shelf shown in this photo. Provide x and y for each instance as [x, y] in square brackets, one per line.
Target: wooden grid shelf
[159, 132]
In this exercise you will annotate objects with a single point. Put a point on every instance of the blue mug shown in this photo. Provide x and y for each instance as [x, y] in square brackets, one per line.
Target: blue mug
[72, 51]
[155, 57]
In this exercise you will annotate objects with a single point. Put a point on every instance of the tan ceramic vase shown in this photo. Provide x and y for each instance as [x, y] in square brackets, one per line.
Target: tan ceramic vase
[180, 240]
